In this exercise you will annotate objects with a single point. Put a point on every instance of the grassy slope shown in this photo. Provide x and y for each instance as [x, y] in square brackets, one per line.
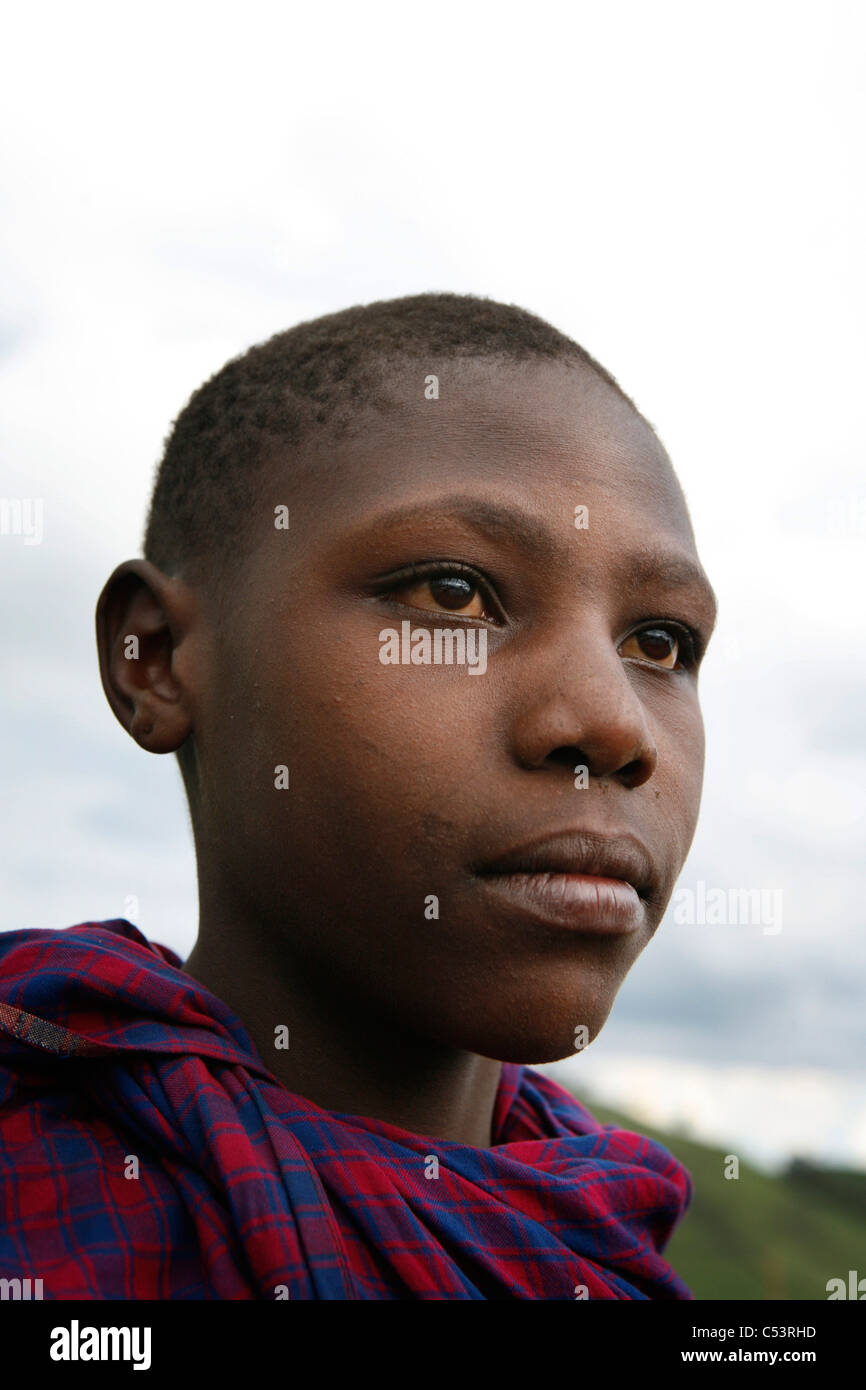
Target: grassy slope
[761, 1236]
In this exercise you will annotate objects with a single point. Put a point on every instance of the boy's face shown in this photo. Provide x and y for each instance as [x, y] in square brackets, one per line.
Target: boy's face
[406, 780]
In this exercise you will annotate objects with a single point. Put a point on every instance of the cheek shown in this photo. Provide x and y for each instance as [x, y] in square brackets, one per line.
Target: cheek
[389, 753]
[678, 778]
[407, 743]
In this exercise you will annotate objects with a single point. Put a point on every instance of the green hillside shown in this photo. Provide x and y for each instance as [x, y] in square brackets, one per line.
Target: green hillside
[760, 1236]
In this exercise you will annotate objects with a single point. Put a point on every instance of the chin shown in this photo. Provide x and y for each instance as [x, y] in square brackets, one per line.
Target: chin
[548, 1036]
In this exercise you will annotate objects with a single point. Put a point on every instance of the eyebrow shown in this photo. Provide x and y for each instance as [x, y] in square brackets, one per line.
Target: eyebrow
[653, 565]
[641, 569]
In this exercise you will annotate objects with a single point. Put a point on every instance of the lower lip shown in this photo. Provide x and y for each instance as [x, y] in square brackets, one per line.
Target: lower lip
[577, 902]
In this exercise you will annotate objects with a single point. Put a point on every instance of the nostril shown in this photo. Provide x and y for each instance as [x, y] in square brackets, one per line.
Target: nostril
[567, 756]
[638, 771]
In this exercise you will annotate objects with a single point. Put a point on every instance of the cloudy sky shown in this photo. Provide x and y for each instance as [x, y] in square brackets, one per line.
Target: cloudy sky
[680, 188]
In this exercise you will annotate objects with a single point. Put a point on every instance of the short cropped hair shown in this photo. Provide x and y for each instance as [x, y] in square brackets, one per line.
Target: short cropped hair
[321, 376]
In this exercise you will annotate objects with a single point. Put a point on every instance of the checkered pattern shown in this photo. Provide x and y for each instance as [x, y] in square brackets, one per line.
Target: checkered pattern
[113, 1061]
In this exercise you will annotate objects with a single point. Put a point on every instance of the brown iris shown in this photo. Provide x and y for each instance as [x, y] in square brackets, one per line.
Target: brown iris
[658, 643]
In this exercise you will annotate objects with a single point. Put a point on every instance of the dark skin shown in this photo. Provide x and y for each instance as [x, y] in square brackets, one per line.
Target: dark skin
[402, 778]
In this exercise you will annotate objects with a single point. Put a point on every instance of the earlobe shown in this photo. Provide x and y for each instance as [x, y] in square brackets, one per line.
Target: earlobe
[141, 727]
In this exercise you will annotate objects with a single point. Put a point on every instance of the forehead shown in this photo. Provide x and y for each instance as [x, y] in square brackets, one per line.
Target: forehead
[491, 472]
[552, 433]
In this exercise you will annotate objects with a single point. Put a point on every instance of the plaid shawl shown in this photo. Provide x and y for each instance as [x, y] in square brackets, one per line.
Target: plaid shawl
[147, 1152]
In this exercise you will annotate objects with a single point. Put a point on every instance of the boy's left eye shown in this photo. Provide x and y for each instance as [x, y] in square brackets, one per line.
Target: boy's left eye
[661, 645]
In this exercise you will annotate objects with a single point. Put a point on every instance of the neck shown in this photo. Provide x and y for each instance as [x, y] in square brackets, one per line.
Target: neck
[339, 1055]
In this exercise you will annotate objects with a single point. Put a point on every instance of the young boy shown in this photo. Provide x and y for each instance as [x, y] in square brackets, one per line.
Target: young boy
[421, 615]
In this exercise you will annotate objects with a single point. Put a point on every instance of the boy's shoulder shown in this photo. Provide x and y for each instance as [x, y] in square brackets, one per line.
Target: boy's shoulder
[99, 989]
[45, 973]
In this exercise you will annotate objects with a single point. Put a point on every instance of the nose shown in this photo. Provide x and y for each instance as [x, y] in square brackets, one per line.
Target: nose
[578, 707]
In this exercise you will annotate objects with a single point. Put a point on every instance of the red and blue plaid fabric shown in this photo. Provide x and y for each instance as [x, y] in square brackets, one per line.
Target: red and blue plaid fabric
[147, 1152]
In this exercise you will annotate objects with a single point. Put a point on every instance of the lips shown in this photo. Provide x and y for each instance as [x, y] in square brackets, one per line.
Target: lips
[578, 852]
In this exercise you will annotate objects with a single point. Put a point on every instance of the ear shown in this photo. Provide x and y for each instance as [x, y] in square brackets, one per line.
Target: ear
[144, 619]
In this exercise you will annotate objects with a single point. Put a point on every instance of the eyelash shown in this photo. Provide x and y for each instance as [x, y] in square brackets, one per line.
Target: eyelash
[686, 636]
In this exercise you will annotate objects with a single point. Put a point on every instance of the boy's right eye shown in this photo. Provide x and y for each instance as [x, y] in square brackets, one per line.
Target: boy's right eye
[455, 589]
